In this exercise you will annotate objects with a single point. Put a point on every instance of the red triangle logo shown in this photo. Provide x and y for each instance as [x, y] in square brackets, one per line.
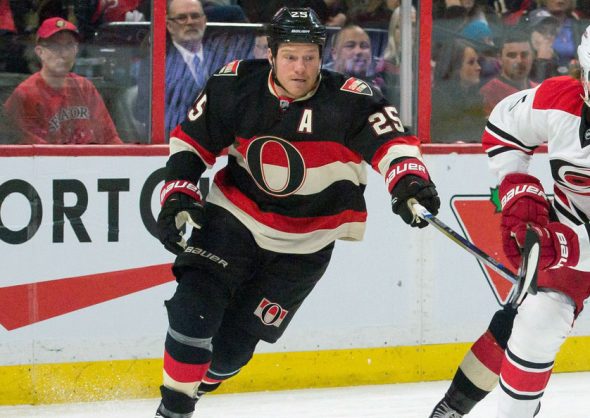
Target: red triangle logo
[480, 222]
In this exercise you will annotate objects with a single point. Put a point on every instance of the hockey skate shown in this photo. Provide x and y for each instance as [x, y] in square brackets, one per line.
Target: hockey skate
[175, 404]
[443, 410]
[162, 412]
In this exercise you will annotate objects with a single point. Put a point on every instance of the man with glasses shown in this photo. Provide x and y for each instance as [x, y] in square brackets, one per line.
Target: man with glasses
[189, 62]
[54, 105]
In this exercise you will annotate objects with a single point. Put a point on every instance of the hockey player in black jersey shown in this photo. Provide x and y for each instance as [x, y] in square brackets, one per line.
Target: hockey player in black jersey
[298, 140]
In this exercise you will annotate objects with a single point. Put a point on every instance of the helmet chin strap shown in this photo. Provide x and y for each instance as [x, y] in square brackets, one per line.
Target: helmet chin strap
[273, 74]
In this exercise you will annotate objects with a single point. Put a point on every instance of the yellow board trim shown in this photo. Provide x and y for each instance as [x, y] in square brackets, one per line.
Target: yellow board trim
[128, 379]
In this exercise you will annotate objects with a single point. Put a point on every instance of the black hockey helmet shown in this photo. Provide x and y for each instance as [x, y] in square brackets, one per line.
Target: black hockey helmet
[300, 25]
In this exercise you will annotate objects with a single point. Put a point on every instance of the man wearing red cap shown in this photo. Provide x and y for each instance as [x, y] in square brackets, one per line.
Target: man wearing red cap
[54, 105]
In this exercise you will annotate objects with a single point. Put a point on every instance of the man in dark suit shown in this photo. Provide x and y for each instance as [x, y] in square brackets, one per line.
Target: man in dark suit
[189, 62]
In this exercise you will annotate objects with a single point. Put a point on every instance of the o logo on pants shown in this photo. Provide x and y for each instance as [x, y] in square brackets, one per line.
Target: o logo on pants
[270, 313]
[276, 166]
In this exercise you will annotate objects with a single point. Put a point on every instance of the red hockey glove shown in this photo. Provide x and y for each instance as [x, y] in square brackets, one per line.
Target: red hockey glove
[559, 244]
[181, 204]
[408, 178]
[523, 202]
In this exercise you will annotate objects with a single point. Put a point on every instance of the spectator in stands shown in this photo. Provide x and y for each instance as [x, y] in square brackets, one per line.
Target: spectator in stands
[568, 33]
[457, 106]
[352, 55]
[516, 59]
[54, 105]
[335, 13]
[368, 13]
[260, 48]
[480, 35]
[543, 31]
[351, 51]
[15, 33]
[392, 53]
[388, 66]
[224, 11]
[189, 63]
[84, 14]
[455, 14]
[513, 10]
[121, 11]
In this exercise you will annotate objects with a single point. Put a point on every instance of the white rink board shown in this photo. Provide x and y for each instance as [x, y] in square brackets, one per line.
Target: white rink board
[400, 286]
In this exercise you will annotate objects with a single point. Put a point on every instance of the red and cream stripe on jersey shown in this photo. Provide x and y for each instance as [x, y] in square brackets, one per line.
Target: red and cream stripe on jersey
[179, 141]
[283, 233]
[482, 362]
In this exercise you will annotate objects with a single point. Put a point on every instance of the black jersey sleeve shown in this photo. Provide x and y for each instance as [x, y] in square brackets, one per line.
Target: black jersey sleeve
[208, 129]
[377, 132]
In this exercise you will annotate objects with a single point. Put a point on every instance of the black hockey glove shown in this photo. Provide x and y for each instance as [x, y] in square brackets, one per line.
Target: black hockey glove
[181, 204]
[407, 179]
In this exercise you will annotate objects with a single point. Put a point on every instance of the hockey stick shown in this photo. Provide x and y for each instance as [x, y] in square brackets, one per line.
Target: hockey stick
[524, 282]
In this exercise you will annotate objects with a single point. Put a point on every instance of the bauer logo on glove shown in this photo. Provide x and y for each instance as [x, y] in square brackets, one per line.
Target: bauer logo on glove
[408, 179]
[181, 204]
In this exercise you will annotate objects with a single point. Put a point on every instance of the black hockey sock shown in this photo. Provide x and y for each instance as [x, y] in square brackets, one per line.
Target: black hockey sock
[463, 395]
[177, 403]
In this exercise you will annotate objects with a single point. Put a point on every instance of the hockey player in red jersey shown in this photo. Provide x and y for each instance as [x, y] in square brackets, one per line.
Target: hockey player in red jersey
[298, 141]
[519, 348]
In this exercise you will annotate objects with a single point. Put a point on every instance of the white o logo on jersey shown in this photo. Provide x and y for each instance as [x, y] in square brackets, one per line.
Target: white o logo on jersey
[276, 165]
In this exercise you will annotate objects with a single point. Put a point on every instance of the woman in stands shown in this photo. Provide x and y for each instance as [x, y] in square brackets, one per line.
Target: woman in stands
[457, 106]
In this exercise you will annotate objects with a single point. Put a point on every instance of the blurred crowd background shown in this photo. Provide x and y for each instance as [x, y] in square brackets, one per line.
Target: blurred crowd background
[482, 50]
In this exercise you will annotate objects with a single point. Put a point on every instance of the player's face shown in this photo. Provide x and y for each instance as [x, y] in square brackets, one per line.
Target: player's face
[296, 67]
[186, 23]
[517, 59]
[352, 52]
[58, 53]
[470, 68]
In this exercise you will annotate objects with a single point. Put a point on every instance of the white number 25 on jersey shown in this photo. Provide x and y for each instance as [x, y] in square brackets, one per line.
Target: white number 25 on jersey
[386, 121]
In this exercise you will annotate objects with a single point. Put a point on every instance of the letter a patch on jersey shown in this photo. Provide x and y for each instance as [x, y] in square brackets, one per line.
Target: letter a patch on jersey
[354, 85]
[229, 69]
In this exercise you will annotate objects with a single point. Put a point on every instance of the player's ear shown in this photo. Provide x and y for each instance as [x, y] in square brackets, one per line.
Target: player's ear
[269, 56]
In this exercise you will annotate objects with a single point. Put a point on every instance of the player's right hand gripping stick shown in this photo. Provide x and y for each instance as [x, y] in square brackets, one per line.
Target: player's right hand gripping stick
[523, 202]
[408, 178]
[559, 244]
[181, 203]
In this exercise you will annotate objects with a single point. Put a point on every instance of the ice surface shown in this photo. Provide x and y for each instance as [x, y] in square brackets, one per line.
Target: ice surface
[566, 396]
